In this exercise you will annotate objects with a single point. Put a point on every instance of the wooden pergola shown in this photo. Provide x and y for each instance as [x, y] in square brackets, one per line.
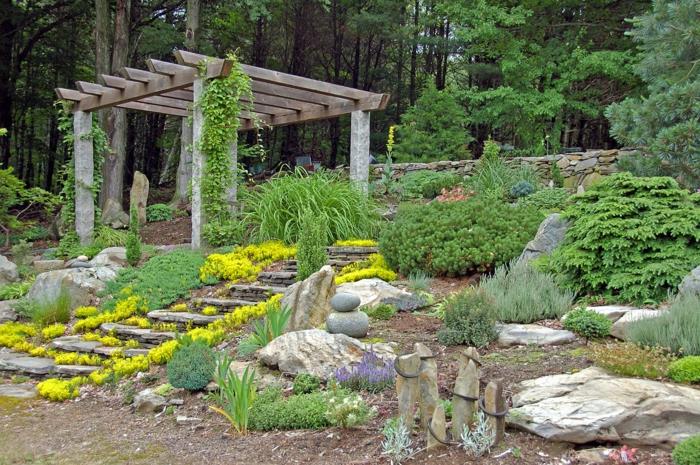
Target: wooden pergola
[174, 89]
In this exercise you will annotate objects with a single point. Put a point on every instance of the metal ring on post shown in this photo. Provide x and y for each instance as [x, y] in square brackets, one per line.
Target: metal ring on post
[426, 357]
[402, 374]
[491, 414]
[477, 362]
[462, 396]
[432, 433]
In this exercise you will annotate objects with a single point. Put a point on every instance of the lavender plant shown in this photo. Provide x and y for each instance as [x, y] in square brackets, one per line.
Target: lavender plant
[479, 441]
[373, 374]
[397, 441]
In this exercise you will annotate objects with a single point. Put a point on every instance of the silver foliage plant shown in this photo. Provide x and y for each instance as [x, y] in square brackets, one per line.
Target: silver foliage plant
[479, 441]
[397, 441]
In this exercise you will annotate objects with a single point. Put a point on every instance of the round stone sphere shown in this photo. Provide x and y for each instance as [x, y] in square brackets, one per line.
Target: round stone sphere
[344, 302]
[353, 324]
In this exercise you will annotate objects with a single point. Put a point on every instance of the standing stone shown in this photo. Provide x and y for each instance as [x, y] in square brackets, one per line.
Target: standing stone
[428, 384]
[8, 271]
[310, 300]
[495, 403]
[359, 149]
[407, 389]
[466, 384]
[438, 427]
[549, 235]
[139, 195]
[691, 283]
[84, 168]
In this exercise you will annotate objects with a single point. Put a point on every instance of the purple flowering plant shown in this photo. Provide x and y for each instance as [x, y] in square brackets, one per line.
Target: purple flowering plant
[373, 374]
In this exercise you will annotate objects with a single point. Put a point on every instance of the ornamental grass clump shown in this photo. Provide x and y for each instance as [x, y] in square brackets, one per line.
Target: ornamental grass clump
[372, 374]
[457, 238]
[311, 248]
[677, 329]
[631, 240]
[524, 295]
[265, 331]
[470, 319]
[275, 208]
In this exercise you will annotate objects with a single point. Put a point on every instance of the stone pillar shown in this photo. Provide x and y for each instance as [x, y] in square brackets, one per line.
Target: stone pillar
[466, 385]
[84, 167]
[407, 388]
[495, 405]
[428, 384]
[359, 149]
[197, 165]
[436, 436]
[232, 193]
[184, 167]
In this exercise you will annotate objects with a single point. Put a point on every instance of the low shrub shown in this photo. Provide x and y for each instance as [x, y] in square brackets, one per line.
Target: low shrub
[685, 370]
[159, 212]
[470, 318]
[547, 200]
[192, 366]
[311, 248]
[397, 441]
[629, 359]
[380, 312]
[687, 452]
[677, 330]
[271, 411]
[133, 240]
[426, 184]
[523, 294]
[373, 374]
[587, 323]
[631, 239]
[274, 209]
[347, 409]
[305, 383]
[224, 232]
[522, 189]
[457, 238]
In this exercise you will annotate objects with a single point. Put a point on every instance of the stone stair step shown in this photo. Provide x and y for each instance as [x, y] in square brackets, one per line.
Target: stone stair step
[277, 278]
[335, 251]
[143, 335]
[226, 303]
[75, 370]
[183, 317]
[108, 351]
[255, 293]
[74, 344]
[340, 263]
[23, 363]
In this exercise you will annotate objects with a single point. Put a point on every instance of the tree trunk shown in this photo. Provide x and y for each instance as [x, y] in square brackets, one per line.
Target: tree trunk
[7, 38]
[414, 55]
[102, 22]
[192, 34]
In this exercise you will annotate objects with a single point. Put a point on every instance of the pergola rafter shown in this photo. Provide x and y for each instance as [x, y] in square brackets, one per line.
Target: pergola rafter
[174, 88]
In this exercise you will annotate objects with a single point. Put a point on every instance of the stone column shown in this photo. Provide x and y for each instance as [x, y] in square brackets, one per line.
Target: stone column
[359, 149]
[407, 388]
[495, 403]
[84, 167]
[184, 167]
[428, 384]
[437, 435]
[232, 193]
[197, 165]
[466, 385]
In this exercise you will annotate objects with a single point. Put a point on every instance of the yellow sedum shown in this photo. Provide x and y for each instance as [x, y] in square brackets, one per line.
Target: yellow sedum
[138, 321]
[179, 308]
[85, 312]
[53, 331]
[210, 310]
[374, 267]
[357, 243]
[59, 390]
[123, 367]
[245, 263]
[125, 308]
[74, 358]
[162, 352]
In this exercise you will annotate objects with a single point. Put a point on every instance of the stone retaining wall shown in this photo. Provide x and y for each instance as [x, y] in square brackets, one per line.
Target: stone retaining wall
[578, 169]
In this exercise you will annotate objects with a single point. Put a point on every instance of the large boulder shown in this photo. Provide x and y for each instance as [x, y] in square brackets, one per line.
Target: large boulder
[317, 352]
[310, 300]
[81, 284]
[373, 292]
[549, 235]
[139, 195]
[7, 310]
[620, 328]
[516, 334]
[691, 283]
[593, 406]
[8, 271]
[111, 256]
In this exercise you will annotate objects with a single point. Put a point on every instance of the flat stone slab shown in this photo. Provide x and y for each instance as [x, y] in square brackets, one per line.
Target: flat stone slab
[621, 327]
[127, 352]
[613, 312]
[183, 317]
[18, 391]
[7, 310]
[74, 344]
[29, 365]
[516, 334]
[594, 406]
[142, 334]
[42, 266]
[75, 370]
[226, 303]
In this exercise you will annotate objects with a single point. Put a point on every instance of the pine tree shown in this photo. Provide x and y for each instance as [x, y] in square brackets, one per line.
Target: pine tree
[133, 240]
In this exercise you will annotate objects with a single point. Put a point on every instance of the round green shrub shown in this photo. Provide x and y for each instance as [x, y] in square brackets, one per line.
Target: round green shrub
[381, 312]
[687, 452]
[587, 323]
[522, 189]
[469, 319]
[685, 370]
[457, 238]
[271, 411]
[159, 212]
[192, 366]
[305, 383]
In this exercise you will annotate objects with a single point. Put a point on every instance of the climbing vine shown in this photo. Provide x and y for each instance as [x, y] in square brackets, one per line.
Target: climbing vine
[220, 105]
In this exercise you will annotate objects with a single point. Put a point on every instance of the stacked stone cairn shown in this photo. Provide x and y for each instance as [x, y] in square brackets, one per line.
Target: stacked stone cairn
[346, 318]
[417, 389]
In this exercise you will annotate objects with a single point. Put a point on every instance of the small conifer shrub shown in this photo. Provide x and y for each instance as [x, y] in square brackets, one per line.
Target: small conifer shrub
[192, 366]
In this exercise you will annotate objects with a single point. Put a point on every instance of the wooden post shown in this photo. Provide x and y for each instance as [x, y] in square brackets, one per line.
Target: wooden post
[407, 387]
[232, 193]
[359, 149]
[197, 165]
[428, 384]
[184, 167]
[84, 171]
[495, 404]
[466, 385]
[436, 436]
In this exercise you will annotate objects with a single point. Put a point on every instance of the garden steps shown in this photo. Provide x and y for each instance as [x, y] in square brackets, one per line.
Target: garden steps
[43, 367]
[277, 278]
[143, 335]
[182, 317]
[78, 344]
[227, 304]
[255, 293]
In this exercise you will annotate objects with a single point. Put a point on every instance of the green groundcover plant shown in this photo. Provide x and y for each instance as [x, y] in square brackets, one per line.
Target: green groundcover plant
[687, 452]
[457, 238]
[632, 239]
[686, 369]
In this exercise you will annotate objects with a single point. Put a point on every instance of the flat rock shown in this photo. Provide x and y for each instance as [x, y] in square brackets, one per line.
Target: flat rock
[621, 326]
[18, 391]
[595, 456]
[147, 401]
[114, 257]
[42, 266]
[549, 235]
[29, 365]
[183, 317]
[373, 292]
[593, 406]
[142, 334]
[516, 334]
[317, 352]
[7, 310]
[74, 344]
[104, 350]
[75, 370]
